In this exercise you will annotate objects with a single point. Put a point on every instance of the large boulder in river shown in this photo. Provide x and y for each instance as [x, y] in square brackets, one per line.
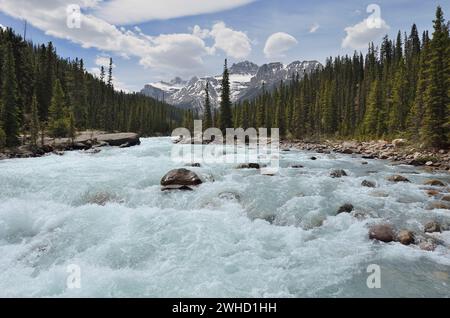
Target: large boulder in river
[368, 184]
[180, 179]
[346, 208]
[398, 178]
[432, 227]
[382, 232]
[120, 139]
[405, 237]
[435, 183]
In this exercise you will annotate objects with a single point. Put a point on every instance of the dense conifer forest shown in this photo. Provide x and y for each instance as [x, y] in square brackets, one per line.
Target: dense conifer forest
[399, 89]
[41, 92]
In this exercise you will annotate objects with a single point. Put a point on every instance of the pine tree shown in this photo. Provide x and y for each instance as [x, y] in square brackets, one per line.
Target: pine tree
[400, 107]
[10, 109]
[434, 131]
[226, 120]
[207, 120]
[34, 125]
[373, 103]
[71, 129]
[110, 76]
[415, 118]
[58, 119]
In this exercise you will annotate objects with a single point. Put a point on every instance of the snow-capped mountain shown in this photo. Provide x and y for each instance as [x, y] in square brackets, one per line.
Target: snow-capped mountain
[246, 81]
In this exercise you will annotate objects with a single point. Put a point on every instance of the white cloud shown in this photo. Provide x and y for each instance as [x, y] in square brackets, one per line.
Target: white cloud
[314, 28]
[361, 34]
[136, 11]
[278, 44]
[234, 43]
[181, 52]
[103, 61]
[2, 27]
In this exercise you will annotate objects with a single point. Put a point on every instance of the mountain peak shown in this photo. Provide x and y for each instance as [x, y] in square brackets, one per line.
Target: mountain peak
[243, 68]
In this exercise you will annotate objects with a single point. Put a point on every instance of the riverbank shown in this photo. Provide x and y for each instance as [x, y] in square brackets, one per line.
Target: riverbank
[86, 140]
[399, 151]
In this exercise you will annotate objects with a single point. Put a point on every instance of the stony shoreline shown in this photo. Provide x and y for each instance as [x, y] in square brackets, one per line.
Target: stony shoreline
[399, 151]
[89, 141]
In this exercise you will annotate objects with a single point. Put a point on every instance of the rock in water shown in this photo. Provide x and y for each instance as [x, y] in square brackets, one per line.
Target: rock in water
[405, 237]
[180, 178]
[368, 184]
[346, 208]
[398, 178]
[382, 232]
[249, 166]
[427, 246]
[432, 227]
[121, 139]
[347, 151]
[338, 174]
[435, 183]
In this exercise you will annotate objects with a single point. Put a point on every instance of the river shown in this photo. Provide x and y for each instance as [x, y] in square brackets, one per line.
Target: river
[242, 235]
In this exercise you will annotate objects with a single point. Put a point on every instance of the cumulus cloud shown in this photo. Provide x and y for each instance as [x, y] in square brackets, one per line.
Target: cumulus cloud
[278, 44]
[234, 43]
[182, 51]
[314, 28]
[364, 32]
[2, 27]
[136, 11]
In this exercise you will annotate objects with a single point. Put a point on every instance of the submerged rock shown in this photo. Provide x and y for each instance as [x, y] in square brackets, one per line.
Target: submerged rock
[338, 173]
[435, 183]
[398, 178]
[405, 237]
[382, 232]
[297, 167]
[427, 246]
[432, 193]
[446, 198]
[432, 227]
[230, 196]
[438, 205]
[368, 184]
[346, 208]
[179, 178]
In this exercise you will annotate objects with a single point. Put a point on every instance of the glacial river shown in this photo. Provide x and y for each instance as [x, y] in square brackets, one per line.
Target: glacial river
[240, 234]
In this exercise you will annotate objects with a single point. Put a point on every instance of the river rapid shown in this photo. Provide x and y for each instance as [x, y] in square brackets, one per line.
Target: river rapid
[240, 234]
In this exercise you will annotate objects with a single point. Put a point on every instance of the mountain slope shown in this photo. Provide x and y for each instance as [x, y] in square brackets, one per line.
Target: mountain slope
[246, 82]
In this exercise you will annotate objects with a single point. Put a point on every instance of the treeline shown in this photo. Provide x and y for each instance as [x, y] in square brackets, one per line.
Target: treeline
[43, 93]
[400, 89]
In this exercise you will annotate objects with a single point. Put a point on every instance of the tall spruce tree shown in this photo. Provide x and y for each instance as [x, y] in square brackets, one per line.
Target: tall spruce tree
[34, 122]
[207, 119]
[436, 102]
[10, 108]
[226, 119]
[58, 114]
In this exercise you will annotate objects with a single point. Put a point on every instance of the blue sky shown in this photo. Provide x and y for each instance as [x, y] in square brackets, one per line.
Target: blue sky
[181, 38]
